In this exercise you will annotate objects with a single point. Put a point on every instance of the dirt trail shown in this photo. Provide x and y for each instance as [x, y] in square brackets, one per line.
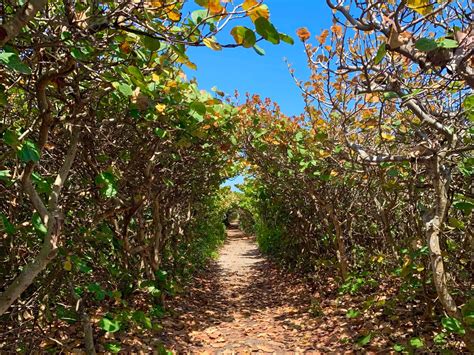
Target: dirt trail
[243, 303]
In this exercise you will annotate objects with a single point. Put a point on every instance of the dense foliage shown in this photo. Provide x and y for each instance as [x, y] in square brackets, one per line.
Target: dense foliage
[112, 160]
[376, 177]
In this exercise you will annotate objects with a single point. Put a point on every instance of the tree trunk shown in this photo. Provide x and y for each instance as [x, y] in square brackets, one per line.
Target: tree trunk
[434, 221]
[47, 253]
[341, 249]
[158, 234]
[53, 220]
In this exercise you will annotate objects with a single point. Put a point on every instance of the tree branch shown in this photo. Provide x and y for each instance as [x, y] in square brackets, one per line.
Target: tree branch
[25, 14]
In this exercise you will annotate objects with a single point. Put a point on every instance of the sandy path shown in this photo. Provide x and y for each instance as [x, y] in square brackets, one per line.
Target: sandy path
[238, 256]
[243, 304]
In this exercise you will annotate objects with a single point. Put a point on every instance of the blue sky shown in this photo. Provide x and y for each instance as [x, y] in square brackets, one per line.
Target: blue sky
[246, 71]
[243, 70]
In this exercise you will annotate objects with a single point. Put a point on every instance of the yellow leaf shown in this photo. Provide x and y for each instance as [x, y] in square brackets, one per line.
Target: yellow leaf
[423, 7]
[67, 264]
[190, 65]
[174, 16]
[214, 7]
[212, 43]
[323, 153]
[387, 136]
[403, 129]
[155, 77]
[156, 3]
[255, 11]
[160, 108]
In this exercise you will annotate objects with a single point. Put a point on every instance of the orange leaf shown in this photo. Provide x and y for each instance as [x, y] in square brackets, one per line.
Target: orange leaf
[303, 34]
[337, 30]
[125, 47]
[322, 37]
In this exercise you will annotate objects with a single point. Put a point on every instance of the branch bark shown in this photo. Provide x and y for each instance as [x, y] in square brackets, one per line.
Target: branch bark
[25, 14]
[54, 223]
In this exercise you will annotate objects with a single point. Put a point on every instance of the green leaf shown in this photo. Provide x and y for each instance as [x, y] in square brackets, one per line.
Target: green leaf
[244, 36]
[79, 53]
[12, 61]
[66, 35]
[161, 350]
[42, 184]
[453, 325]
[161, 275]
[125, 89]
[448, 43]
[67, 315]
[456, 223]
[469, 320]
[287, 39]
[142, 319]
[390, 95]
[468, 313]
[398, 348]
[464, 206]
[10, 138]
[5, 175]
[440, 338]
[107, 183]
[198, 108]
[113, 347]
[99, 293]
[426, 44]
[38, 224]
[82, 266]
[469, 107]
[267, 30]
[380, 53]
[135, 72]
[352, 313]
[160, 132]
[6, 225]
[259, 50]
[364, 340]
[417, 343]
[29, 152]
[109, 325]
[198, 16]
[151, 43]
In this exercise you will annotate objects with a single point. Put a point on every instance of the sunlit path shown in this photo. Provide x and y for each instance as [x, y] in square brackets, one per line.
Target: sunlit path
[244, 304]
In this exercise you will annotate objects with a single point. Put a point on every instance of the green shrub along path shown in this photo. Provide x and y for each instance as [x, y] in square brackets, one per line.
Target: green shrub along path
[356, 225]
